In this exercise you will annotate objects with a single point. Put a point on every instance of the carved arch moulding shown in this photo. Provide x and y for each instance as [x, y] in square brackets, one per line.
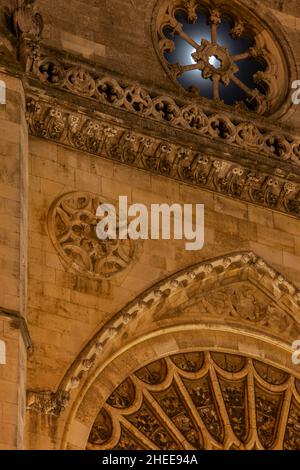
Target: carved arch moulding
[235, 304]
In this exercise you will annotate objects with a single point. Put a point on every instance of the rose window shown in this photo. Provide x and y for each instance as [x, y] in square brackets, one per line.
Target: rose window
[201, 401]
[220, 53]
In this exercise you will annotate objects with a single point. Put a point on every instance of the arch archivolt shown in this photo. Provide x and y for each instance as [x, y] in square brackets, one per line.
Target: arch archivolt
[236, 305]
[165, 344]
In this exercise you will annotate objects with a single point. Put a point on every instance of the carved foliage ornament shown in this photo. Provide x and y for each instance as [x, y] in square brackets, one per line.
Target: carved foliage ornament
[245, 57]
[176, 161]
[47, 402]
[72, 225]
[201, 400]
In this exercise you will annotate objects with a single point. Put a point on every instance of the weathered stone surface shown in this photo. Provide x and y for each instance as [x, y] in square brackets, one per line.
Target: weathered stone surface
[103, 118]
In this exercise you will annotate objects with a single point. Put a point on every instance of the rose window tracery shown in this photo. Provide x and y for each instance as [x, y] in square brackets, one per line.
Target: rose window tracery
[201, 400]
[220, 51]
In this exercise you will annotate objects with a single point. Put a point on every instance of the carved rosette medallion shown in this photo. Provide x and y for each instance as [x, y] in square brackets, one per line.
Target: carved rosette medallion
[72, 223]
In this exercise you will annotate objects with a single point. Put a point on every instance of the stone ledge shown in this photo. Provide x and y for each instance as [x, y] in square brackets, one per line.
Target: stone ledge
[20, 323]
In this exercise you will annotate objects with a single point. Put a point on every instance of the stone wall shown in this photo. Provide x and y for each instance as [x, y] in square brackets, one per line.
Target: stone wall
[65, 309]
[13, 261]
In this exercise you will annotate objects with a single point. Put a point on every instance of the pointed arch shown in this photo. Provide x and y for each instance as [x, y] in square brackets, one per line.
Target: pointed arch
[234, 303]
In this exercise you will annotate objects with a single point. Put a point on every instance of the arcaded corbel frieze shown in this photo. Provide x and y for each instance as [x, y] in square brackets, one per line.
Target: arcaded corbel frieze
[224, 125]
[164, 157]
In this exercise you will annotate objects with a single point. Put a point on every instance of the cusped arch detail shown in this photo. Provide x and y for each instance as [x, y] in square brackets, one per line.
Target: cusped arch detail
[201, 400]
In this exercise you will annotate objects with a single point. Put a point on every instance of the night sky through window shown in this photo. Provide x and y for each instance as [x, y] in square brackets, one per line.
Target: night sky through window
[182, 54]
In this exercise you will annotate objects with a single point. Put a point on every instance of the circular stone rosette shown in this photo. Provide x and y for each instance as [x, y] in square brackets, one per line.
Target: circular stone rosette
[72, 223]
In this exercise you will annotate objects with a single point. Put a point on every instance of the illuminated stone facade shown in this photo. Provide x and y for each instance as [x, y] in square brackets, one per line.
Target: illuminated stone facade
[144, 344]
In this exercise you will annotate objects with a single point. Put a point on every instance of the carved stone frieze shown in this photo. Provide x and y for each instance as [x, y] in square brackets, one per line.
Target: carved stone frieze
[220, 401]
[47, 402]
[175, 161]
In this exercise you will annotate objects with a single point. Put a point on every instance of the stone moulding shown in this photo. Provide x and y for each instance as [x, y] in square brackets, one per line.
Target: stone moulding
[189, 115]
[159, 156]
[285, 296]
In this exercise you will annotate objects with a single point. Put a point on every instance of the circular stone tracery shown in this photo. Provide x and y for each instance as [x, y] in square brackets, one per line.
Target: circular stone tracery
[201, 400]
[72, 223]
[207, 51]
[221, 51]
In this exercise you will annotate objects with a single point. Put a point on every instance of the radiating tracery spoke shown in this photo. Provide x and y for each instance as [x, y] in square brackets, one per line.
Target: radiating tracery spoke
[187, 68]
[178, 29]
[216, 82]
[214, 33]
[201, 400]
[214, 20]
[243, 56]
[241, 85]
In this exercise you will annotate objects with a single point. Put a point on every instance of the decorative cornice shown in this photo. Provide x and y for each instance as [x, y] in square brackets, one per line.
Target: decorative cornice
[159, 156]
[240, 130]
